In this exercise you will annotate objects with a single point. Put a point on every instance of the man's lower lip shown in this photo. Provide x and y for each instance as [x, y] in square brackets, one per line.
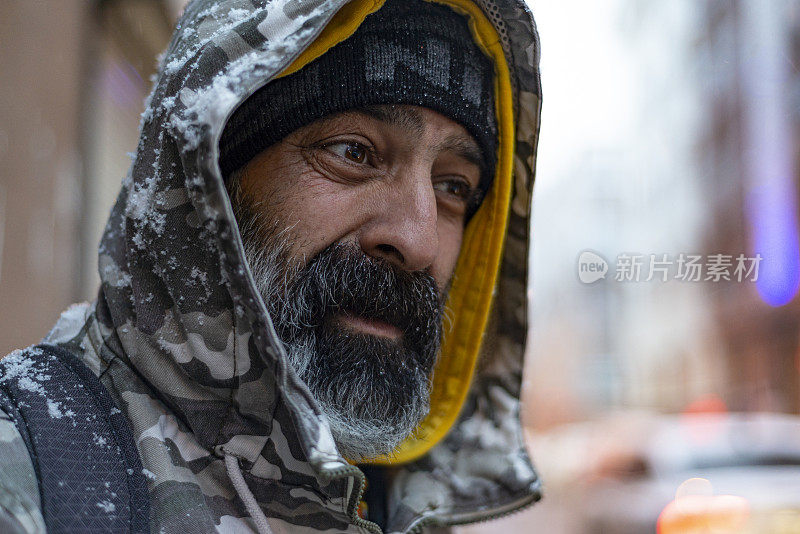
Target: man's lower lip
[372, 327]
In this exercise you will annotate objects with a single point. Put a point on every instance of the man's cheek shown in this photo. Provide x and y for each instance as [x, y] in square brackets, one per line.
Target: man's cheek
[329, 216]
[450, 240]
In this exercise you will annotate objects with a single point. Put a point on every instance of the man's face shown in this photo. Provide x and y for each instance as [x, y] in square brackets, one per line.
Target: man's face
[352, 227]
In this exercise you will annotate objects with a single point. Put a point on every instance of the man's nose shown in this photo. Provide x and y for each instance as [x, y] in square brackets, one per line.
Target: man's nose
[403, 227]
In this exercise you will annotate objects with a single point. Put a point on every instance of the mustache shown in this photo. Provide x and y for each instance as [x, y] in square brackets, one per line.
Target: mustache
[342, 279]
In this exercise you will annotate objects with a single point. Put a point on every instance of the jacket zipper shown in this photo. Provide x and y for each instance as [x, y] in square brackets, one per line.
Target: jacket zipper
[462, 519]
[352, 506]
[503, 511]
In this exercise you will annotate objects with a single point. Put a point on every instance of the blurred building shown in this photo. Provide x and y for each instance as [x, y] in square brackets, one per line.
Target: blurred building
[696, 155]
[748, 58]
[41, 97]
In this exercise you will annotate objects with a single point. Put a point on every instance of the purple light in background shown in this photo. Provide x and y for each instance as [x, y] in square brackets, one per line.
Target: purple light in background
[771, 206]
[773, 217]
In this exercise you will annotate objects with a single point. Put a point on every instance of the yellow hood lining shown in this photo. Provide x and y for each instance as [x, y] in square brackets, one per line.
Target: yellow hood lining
[477, 270]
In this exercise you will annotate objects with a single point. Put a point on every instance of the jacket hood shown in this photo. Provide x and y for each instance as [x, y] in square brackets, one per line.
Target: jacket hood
[179, 306]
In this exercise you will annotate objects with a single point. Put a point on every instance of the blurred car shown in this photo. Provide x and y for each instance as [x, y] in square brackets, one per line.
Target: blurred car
[754, 458]
[694, 473]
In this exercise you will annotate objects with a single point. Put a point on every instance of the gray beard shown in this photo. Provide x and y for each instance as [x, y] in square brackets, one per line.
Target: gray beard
[371, 408]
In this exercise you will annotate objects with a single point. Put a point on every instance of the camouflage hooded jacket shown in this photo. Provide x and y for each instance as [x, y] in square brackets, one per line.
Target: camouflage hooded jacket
[182, 340]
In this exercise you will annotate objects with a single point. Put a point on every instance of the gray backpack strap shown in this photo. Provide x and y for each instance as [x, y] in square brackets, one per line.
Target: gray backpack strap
[89, 470]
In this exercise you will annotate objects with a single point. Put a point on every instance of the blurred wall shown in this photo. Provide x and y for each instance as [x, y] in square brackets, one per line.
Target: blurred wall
[73, 87]
[40, 100]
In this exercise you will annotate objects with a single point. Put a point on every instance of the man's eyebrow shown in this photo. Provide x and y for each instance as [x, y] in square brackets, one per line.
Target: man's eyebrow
[406, 118]
[463, 146]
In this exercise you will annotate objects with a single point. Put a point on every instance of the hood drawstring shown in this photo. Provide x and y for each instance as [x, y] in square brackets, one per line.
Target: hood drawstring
[239, 484]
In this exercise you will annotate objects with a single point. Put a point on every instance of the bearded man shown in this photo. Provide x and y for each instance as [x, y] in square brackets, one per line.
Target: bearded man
[318, 238]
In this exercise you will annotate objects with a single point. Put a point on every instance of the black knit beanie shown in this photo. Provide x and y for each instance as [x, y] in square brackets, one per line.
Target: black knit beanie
[408, 52]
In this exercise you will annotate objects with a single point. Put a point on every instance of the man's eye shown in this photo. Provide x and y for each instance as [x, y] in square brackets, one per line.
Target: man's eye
[355, 152]
[457, 188]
